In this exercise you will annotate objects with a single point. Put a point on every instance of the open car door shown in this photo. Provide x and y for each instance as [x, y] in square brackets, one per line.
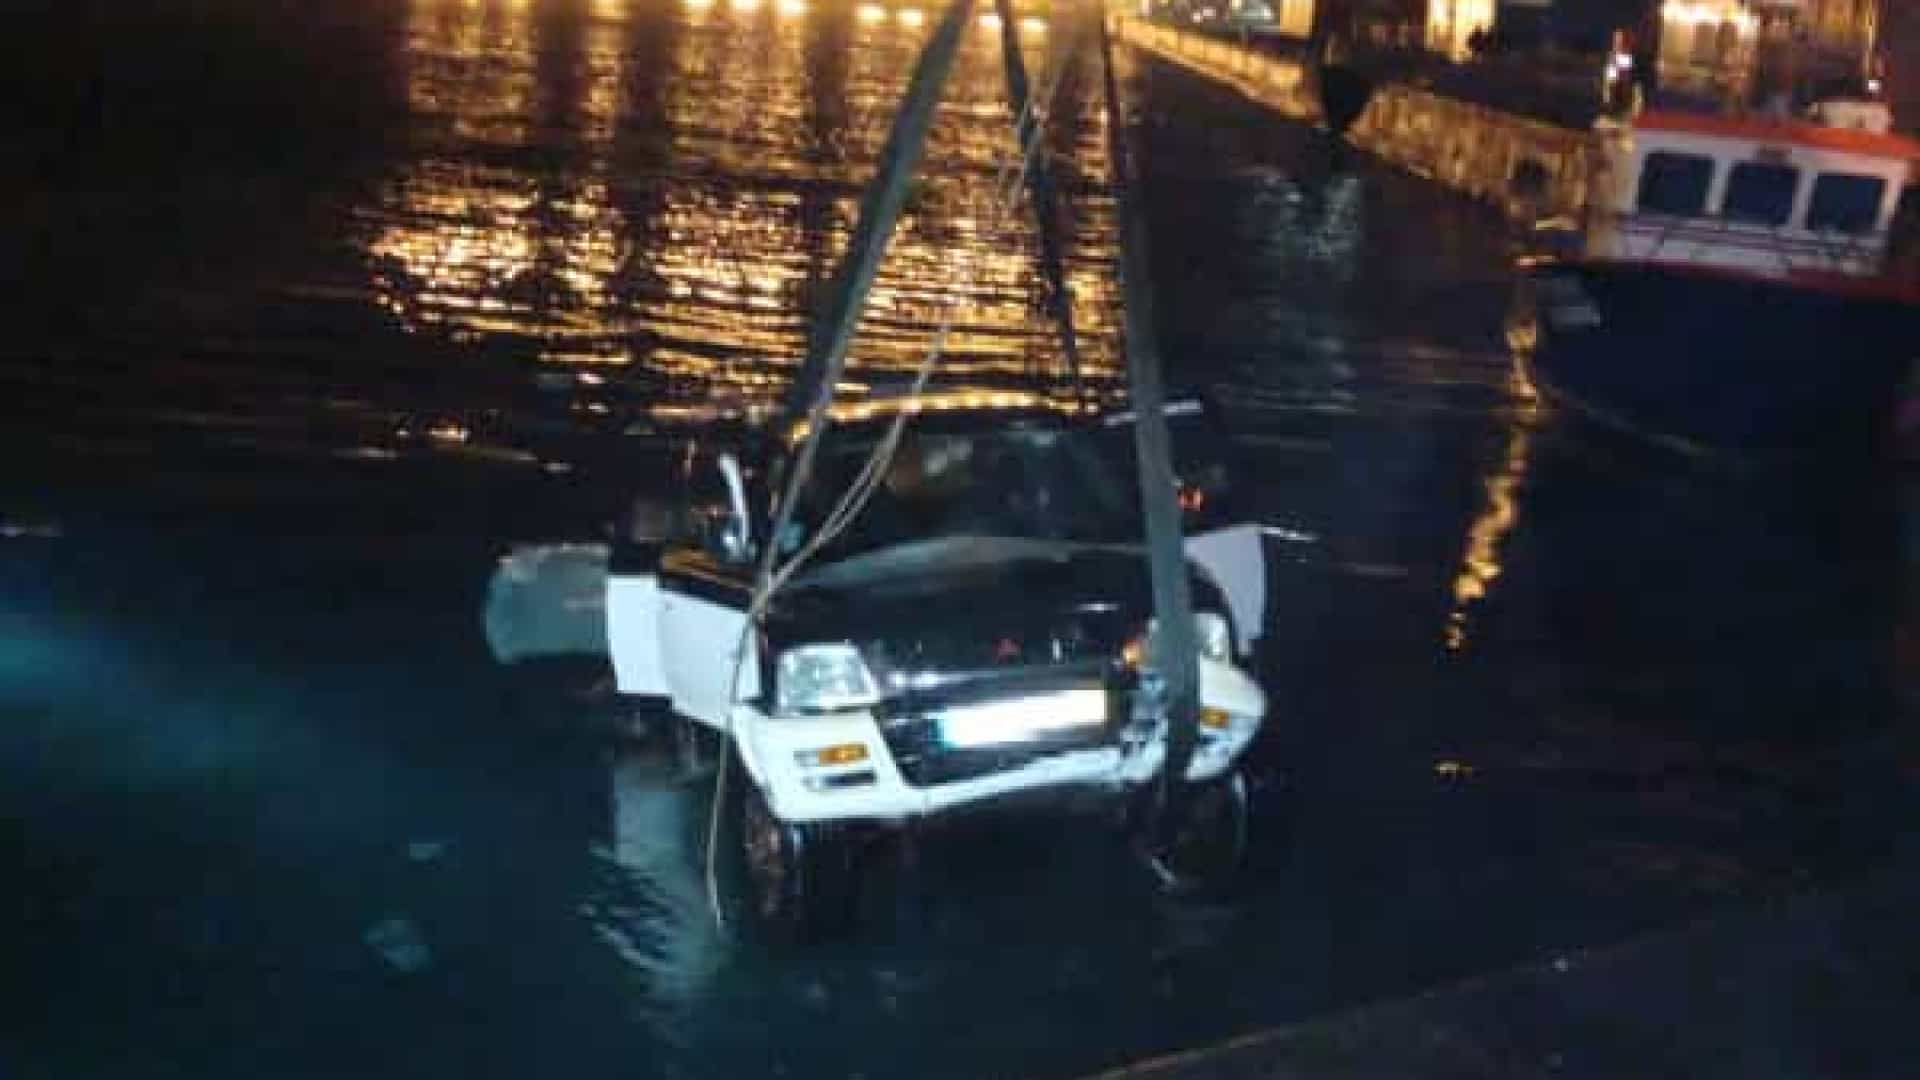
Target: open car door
[708, 657]
[677, 593]
[1230, 549]
[705, 584]
[545, 601]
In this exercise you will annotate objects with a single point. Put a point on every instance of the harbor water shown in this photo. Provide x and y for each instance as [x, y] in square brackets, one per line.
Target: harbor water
[318, 308]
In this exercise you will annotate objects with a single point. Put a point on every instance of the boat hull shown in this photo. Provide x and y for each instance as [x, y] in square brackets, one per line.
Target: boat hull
[1716, 361]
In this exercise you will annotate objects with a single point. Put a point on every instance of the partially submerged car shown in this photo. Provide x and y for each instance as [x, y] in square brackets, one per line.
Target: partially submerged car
[976, 634]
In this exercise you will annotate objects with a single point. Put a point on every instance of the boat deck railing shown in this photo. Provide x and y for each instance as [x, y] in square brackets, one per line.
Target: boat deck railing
[1793, 249]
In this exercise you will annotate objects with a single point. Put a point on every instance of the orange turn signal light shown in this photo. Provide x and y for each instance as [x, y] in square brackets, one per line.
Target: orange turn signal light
[1216, 719]
[842, 754]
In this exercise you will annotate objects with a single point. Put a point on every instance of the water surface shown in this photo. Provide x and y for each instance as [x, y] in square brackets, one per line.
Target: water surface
[395, 284]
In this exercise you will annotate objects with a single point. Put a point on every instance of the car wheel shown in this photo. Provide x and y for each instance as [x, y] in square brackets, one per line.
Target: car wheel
[797, 879]
[1204, 848]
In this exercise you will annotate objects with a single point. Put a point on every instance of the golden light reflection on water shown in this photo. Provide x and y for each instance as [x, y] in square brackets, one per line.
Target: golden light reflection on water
[1482, 563]
[453, 79]
[669, 183]
[477, 250]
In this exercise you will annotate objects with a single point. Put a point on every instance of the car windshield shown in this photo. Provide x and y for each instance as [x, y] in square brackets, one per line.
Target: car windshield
[1029, 483]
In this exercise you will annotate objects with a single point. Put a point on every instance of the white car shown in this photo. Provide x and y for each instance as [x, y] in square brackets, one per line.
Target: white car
[975, 635]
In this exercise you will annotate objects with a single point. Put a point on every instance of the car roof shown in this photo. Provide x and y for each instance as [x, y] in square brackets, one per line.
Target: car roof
[868, 420]
[968, 422]
[961, 420]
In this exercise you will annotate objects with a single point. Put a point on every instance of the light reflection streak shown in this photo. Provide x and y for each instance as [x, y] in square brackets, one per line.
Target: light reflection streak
[651, 908]
[1482, 563]
[605, 71]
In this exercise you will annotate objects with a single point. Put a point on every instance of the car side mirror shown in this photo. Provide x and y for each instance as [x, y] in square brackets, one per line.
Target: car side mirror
[726, 541]
[733, 541]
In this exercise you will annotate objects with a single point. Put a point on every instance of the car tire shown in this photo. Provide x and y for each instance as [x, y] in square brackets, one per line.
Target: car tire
[1203, 852]
[795, 881]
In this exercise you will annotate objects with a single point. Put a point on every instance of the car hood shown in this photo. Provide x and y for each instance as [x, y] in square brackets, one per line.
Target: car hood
[967, 601]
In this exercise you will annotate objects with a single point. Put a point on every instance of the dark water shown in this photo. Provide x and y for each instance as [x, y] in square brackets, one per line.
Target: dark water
[319, 309]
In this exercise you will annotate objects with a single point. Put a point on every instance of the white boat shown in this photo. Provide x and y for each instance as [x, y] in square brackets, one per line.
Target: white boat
[1731, 285]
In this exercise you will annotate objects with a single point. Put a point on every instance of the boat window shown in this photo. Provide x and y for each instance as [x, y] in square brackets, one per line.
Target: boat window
[1675, 183]
[1846, 203]
[1759, 194]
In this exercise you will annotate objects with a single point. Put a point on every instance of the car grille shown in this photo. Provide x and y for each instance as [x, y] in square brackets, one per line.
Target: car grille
[911, 724]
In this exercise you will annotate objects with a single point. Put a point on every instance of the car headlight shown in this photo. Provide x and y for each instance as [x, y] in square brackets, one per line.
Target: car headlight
[819, 678]
[1211, 635]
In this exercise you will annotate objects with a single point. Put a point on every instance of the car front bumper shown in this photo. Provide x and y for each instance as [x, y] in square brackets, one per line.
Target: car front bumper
[863, 781]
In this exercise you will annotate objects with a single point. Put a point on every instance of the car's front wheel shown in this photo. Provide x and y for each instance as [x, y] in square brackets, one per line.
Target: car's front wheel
[796, 879]
[1202, 847]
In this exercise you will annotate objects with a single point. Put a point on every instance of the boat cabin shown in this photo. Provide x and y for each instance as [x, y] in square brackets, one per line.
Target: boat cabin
[1761, 196]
